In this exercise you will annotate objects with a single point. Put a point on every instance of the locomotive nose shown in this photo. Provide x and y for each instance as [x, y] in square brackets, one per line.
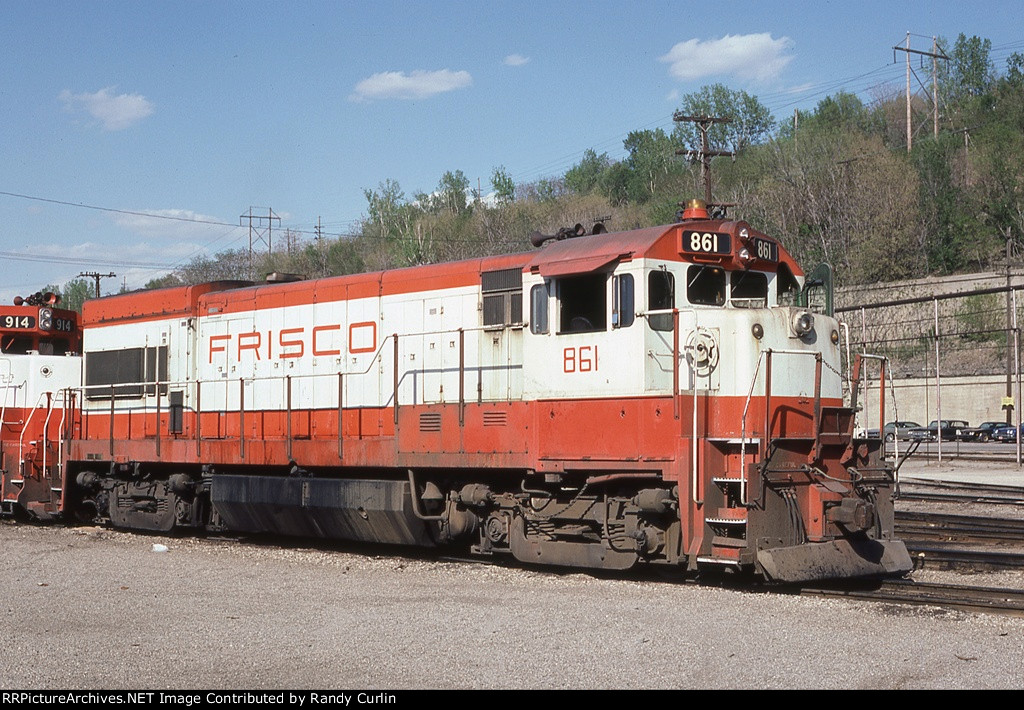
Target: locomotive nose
[853, 515]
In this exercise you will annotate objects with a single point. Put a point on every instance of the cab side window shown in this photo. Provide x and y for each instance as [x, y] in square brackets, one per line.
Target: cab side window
[661, 295]
[539, 309]
[623, 305]
[583, 303]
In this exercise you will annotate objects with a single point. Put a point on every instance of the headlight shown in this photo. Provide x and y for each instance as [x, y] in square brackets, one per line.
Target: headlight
[803, 322]
[45, 318]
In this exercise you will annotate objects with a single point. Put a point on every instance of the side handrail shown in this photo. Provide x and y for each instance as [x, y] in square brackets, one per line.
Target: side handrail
[21, 437]
[677, 355]
[3, 408]
[766, 435]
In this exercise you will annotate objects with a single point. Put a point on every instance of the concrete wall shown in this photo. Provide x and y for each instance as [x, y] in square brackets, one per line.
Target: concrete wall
[977, 399]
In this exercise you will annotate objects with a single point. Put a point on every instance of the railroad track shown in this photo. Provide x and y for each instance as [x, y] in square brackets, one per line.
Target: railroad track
[948, 492]
[959, 528]
[962, 542]
[903, 591]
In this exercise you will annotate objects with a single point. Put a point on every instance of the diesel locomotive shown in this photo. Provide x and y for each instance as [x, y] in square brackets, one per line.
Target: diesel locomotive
[668, 396]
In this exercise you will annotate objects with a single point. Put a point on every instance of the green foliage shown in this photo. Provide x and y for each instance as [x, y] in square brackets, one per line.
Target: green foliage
[752, 122]
[164, 281]
[969, 73]
[503, 185]
[590, 174]
[73, 293]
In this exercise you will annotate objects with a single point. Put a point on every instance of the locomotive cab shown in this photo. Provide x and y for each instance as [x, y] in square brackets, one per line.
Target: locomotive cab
[39, 366]
[702, 345]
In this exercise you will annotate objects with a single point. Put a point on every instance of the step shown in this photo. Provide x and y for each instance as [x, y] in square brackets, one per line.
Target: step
[732, 514]
[707, 559]
[725, 521]
[731, 542]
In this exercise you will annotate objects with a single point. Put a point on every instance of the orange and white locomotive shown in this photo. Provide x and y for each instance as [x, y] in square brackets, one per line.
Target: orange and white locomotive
[40, 369]
[652, 396]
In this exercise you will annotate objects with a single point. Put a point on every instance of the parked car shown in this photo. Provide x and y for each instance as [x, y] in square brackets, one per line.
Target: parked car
[948, 429]
[1006, 432]
[892, 430]
[984, 431]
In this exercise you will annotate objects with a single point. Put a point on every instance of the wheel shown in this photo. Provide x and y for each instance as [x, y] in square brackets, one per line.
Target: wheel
[983, 437]
[890, 437]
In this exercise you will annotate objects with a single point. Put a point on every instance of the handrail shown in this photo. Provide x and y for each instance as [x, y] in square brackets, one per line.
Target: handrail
[766, 435]
[3, 408]
[24, 428]
[46, 427]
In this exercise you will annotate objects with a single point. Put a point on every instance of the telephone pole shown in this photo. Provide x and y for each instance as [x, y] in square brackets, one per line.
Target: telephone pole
[97, 276]
[704, 155]
[936, 55]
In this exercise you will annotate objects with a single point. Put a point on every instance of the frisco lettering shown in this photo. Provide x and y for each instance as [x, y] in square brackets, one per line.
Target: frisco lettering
[320, 340]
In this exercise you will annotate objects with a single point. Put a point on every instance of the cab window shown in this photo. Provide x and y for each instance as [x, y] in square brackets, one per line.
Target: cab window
[787, 287]
[623, 304]
[661, 296]
[705, 285]
[583, 303]
[539, 309]
[748, 289]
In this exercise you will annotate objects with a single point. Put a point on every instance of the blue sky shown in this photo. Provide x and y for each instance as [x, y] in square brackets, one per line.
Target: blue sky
[199, 110]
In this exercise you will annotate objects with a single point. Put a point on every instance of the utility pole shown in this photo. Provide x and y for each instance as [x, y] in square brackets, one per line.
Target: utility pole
[260, 230]
[1009, 334]
[319, 231]
[936, 55]
[935, 87]
[97, 276]
[704, 155]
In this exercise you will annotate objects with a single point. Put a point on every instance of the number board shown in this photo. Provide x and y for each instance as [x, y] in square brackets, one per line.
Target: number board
[19, 322]
[707, 242]
[63, 325]
[766, 250]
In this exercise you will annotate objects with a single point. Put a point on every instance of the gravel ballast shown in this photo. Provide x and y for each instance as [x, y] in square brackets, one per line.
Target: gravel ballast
[91, 608]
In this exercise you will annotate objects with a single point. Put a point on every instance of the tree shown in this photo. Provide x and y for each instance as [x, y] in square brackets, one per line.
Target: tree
[451, 192]
[652, 161]
[72, 294]
[752, 122]
[589, 174]
[969, 73]
[503, 186]
[390, 216]
[163, 282]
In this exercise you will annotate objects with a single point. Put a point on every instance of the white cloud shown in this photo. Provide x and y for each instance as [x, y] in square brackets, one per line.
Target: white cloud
[417, 84]
[515, 60]
[672, 95]
[114, 111]
[166, 223]
[755, 57]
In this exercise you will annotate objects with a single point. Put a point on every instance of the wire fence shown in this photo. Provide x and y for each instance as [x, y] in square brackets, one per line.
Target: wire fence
[953, 356]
